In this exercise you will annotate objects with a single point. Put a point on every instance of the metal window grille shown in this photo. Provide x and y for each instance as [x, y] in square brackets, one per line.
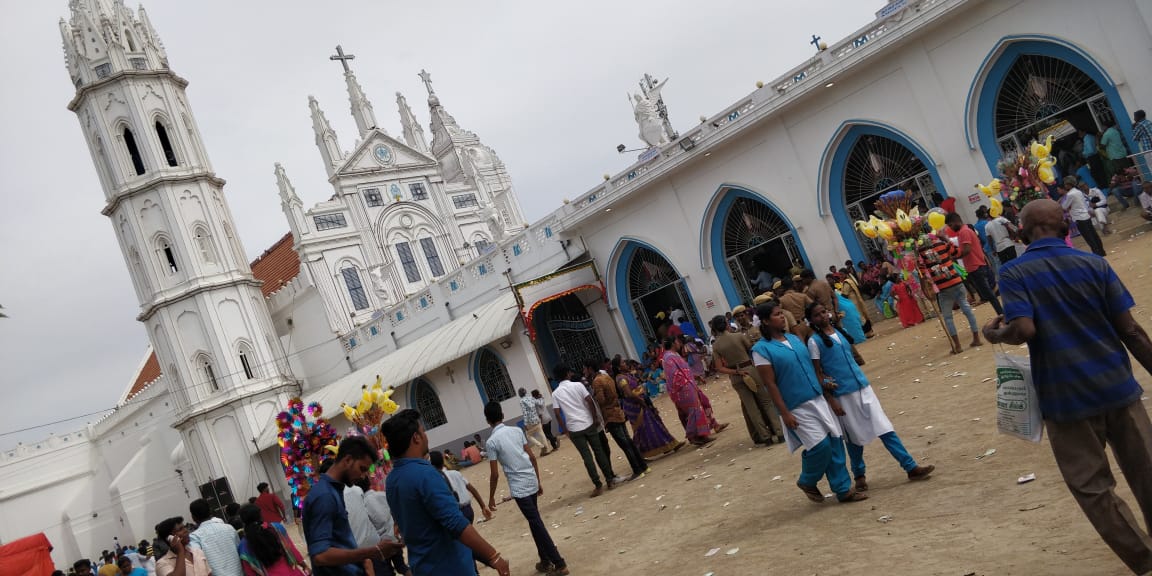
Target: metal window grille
[355, 288]
[494, 377]
[483, 247]
[104, 70]
[138, 63]
[329, 221]
[434, 264]
[372, 197]
[465, 201]
[1037, 90]
[429, 406]
[408, 261]
[417, 190]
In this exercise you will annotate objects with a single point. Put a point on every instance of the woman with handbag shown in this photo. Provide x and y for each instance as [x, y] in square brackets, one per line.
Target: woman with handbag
[837, 367]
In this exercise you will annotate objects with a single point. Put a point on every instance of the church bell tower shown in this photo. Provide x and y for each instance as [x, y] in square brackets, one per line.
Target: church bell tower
[205, 314]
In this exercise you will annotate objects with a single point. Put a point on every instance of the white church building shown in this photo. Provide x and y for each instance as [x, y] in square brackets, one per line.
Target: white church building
[420, 267]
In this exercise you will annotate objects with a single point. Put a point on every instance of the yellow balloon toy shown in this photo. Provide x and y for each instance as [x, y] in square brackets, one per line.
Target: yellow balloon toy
[885, 230]
[903, 221]
[995, 208]
[936, 221]
[866, 228]
[995, 185]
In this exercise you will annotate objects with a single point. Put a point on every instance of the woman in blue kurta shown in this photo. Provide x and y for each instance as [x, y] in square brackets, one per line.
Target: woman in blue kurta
[787, 372]
[853, 400]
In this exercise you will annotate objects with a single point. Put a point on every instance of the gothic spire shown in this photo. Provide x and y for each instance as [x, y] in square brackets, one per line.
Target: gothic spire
[413, 132]
[326, 139]
[288, 195]
[361, 107]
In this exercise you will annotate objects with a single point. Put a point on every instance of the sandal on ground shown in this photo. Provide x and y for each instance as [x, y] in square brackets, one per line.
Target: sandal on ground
[921, 472]
[544, 567]
[861, 484]
[812, 492]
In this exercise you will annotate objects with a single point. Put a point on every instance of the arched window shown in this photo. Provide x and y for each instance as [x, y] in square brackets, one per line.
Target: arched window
[427, 402]
[129, 42]
[434, 264]
[208, 373]
[133, 151]
[167, 256]
[247, 360]
[495, 384]
[408, 261]
[355, 287]
[204, 244]
[166, 144]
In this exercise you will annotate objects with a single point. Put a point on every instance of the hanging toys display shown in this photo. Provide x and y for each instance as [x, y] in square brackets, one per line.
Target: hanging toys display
[374, 405]
[304, 445]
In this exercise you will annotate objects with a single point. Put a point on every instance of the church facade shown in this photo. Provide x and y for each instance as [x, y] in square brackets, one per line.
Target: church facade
[420, 267]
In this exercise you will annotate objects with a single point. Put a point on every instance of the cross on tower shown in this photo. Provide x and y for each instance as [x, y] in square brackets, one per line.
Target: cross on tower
[343, 58]
[427, 78]
[815, 42]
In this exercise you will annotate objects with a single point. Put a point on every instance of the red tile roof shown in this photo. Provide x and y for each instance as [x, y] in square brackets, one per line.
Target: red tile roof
[278, 265]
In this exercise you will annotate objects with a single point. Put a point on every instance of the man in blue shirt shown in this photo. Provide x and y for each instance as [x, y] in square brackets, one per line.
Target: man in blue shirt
[436, 532]
[1091, 152]
[508, 449]
[1076, 317]
[331, 545]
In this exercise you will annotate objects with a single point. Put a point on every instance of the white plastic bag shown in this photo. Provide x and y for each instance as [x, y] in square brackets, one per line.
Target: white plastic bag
[1017, 406]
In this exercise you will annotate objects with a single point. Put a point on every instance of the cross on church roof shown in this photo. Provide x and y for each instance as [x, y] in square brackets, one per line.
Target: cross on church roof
[343, 58]
[427, 78]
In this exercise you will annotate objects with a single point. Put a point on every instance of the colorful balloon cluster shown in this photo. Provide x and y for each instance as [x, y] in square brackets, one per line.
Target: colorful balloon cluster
[1028, 173]
[375, 403]
[904, 220]
[304, 445]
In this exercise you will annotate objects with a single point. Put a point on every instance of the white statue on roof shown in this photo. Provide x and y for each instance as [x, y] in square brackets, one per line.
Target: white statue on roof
[648, 116]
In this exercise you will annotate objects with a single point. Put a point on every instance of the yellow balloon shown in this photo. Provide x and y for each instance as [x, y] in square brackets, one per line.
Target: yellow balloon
[866, 228]
[885, 230]
[935, 221]
[1045, 174]
[349, 412]
[903, 221]
[1039, 150]
[995, 208]
[995, 185]
[984, 189]
[389, 407]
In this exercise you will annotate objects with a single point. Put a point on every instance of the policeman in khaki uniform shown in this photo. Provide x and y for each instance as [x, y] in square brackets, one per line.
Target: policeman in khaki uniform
[730, 355]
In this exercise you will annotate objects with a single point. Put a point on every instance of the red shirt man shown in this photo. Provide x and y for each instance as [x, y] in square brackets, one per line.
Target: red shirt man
[270, 505]
[973, 257]
[471, 453]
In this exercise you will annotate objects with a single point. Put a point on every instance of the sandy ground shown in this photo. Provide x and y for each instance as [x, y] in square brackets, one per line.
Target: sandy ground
[971, 518]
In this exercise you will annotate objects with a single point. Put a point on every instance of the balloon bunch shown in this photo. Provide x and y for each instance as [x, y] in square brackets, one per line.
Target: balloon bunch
[1028, 173]
[375, 403]
[904, 219]
[304, 445]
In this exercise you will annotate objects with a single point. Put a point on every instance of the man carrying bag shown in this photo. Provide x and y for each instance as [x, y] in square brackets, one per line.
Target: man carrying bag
[1076, 317]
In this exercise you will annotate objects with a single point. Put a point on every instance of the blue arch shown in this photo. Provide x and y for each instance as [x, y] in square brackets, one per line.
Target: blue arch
[728, 195]
[1002, 57]
[625, 247]
[474, 372]
[849, 133]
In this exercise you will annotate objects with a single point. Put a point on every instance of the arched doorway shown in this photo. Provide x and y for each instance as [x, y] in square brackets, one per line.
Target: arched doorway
[648, 286]
[749, 235]
[1035, 86]
[869, 160]
[566, 333]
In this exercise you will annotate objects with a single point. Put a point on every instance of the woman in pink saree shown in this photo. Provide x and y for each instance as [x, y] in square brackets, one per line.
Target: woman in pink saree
[692, 406]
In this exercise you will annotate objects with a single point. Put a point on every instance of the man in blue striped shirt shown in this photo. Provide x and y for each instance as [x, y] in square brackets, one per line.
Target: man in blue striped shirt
[1076, 317]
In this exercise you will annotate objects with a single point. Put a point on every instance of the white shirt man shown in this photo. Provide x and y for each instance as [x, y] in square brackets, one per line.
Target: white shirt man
[1000, 231]
[570, 397]
[1076, 205]
[219, 541]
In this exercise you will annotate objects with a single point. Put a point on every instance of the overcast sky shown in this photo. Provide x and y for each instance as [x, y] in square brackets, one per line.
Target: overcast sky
[542, 85]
